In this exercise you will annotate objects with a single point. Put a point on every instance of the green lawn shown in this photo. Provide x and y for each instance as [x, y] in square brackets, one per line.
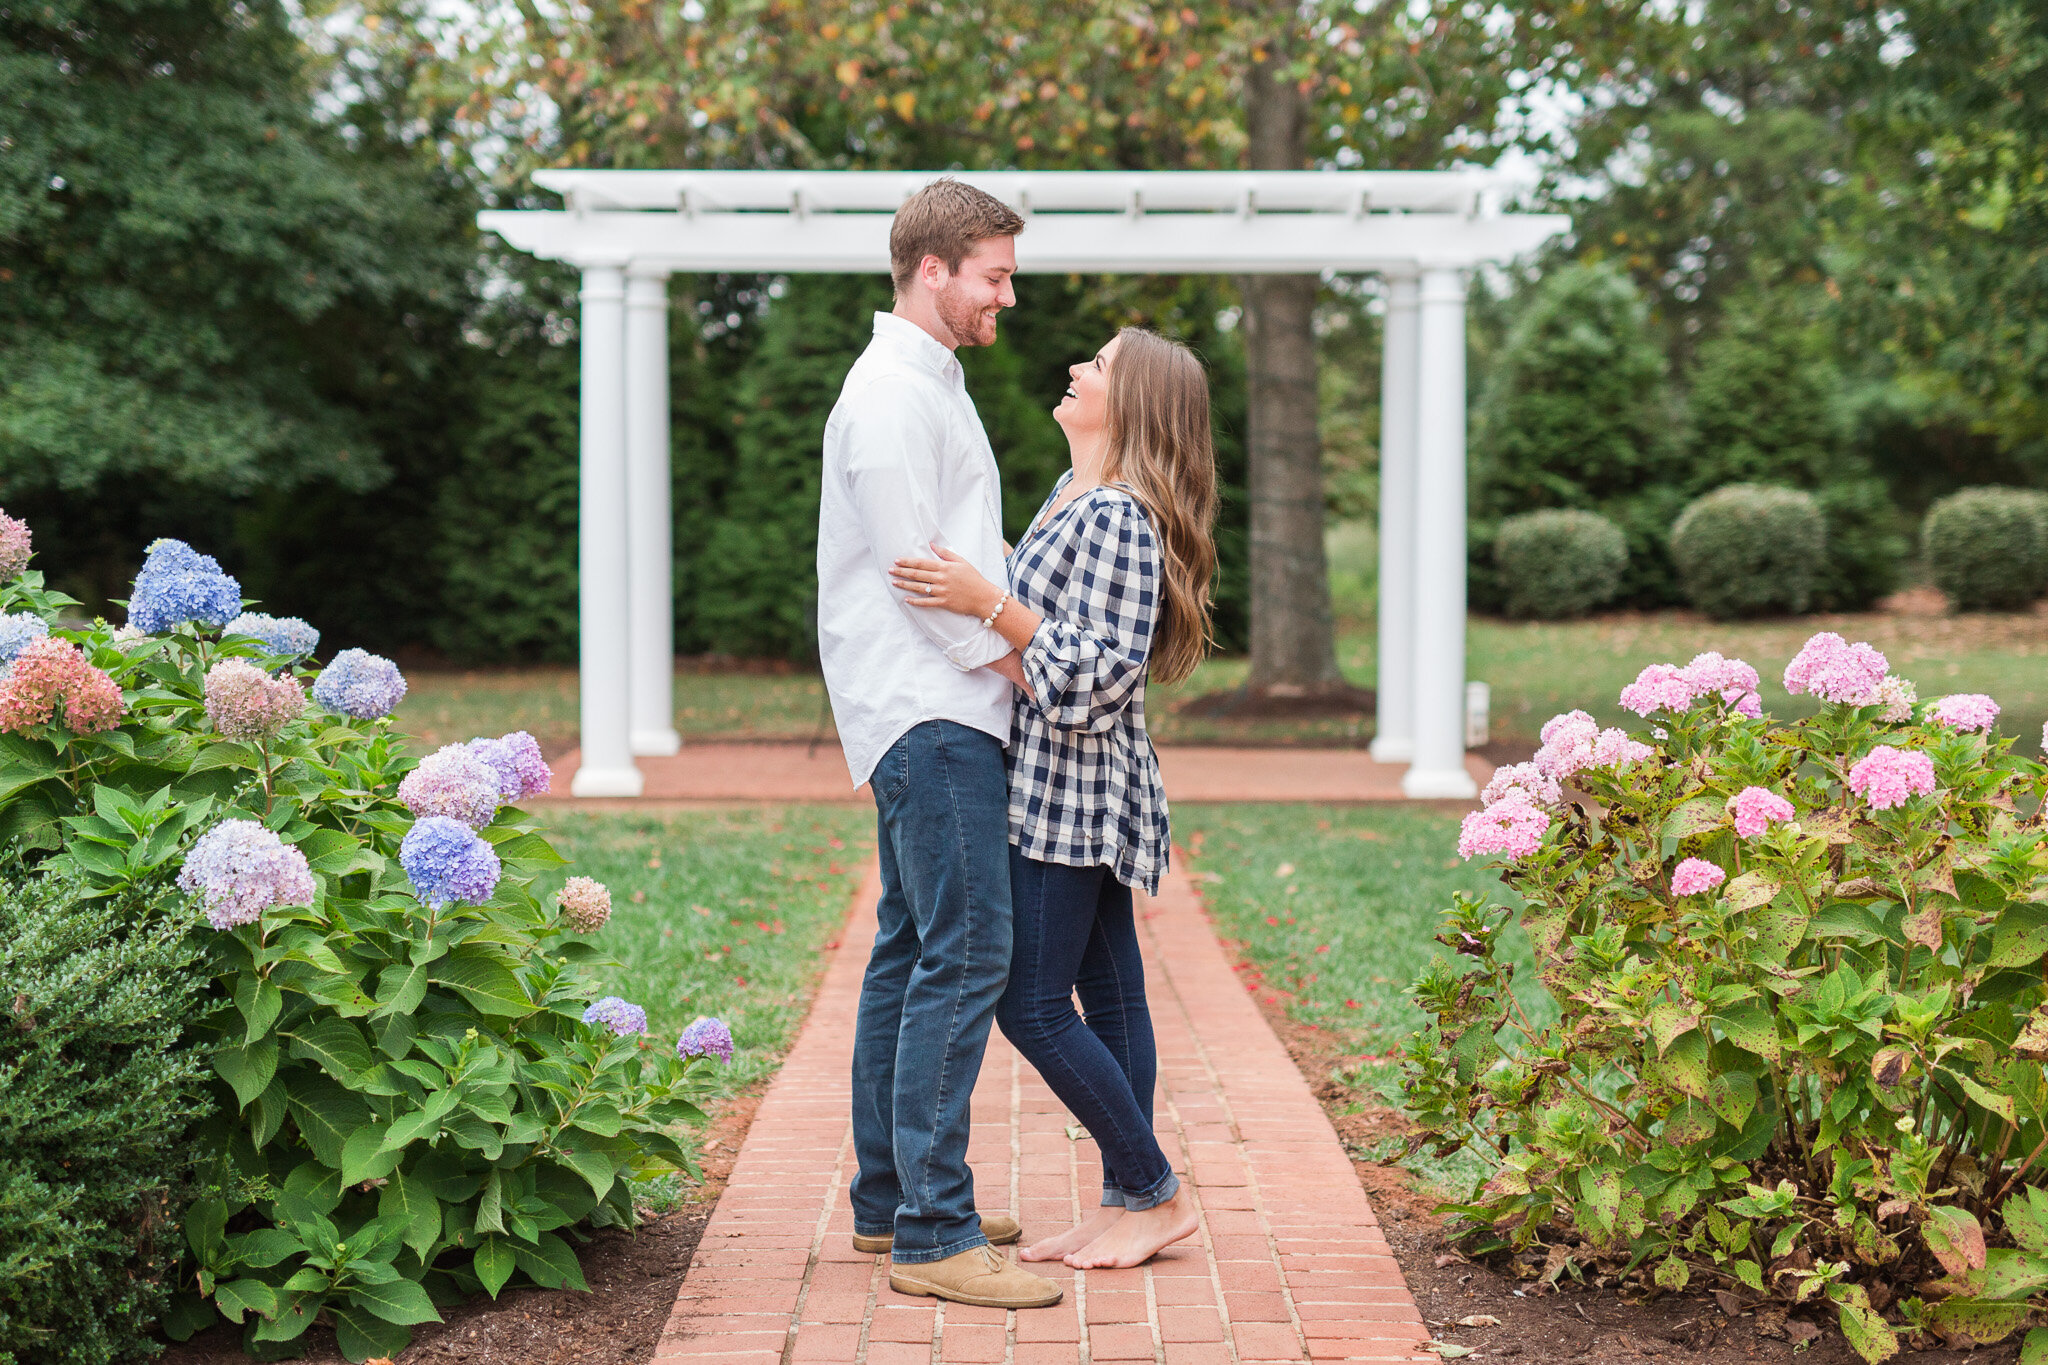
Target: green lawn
[1536, 669]
[722, 913]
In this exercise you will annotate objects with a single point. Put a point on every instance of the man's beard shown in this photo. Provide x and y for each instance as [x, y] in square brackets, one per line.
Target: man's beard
[962, 318]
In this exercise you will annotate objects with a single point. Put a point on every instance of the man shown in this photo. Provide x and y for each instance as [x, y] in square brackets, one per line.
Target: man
[922, 700]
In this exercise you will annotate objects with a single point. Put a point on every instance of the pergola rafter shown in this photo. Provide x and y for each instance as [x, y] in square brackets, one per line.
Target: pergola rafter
[629, 230]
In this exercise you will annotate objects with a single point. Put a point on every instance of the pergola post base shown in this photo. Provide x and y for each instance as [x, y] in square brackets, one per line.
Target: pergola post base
[591, 781]
[1431, 784]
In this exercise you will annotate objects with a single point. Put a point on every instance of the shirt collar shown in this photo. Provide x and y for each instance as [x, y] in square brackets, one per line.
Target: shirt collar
[918, 345]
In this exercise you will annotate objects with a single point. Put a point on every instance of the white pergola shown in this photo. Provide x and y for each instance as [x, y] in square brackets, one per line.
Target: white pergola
[1424, 231]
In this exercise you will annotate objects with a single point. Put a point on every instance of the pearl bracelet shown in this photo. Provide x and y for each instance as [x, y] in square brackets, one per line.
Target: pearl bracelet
[989, 620]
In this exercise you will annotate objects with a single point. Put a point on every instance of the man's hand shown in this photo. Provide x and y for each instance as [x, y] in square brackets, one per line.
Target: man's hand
[1011, 666]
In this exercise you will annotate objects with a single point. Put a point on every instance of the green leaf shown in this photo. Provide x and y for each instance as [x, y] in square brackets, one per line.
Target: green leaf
[400, 989]
[1696, 816]
[1846, 919]
[1732, 1095]
[1751, 1027]
[237, 1297]
[1749, 1273]
[260, 1001]
[422, 1122]
[266, 1247]
[401, 1301]
[1998, 1104]
[335, 1044]
[530, 848]
[412, 1201]
[485, 983]
[598, 1169]
[490, 1208]
[247, 1068]
[328, 1116]
[2035, 1351]
[361, 1334]
[329, 850]
[550, 1263]
[1684, 1066]
[224, 755]
[1869, 1335]
[2026, 1218]
[1750, 890]
[1979, 1320]
[365, 1157]
[1666, 1020]
[494, 1264]
[1672, 1274]
[2021, 936]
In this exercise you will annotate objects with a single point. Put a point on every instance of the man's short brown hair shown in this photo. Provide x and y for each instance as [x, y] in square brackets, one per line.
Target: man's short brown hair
[945, 219]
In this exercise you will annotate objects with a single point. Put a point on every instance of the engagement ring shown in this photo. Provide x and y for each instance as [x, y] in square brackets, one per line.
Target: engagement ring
[927, 590]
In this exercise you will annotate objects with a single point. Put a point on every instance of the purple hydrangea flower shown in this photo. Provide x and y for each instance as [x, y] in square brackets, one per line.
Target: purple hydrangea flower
[178, 584]
[286, 635]
[240, 869]
[706, 1038]
[365, 686]
[620, 1016]
[517, 760]
[18, 632]
[447, 863]
[454, 782]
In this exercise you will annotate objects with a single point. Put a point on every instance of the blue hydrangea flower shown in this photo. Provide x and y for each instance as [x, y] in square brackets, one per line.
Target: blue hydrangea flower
[359, 684]
[178, 584]
[18, 632]
[448, 863]
[286, 635]
[706, 1038]
[620, 1016]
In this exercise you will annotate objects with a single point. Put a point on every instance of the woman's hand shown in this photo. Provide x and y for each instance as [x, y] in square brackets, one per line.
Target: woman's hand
[948, 582]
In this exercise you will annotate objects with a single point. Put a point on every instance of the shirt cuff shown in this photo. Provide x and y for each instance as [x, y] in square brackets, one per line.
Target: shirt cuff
[981, 649]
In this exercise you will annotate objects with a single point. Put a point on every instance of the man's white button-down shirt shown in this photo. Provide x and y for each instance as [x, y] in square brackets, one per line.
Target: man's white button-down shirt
[907, 466]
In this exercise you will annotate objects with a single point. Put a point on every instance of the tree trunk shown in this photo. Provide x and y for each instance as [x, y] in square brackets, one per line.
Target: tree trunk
[1294, 647]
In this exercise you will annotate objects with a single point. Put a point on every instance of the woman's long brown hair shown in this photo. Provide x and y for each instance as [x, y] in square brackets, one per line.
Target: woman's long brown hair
[1158, 444]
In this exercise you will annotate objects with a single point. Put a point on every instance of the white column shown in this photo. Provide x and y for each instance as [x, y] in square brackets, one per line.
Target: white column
[650, 595]
[1438, 766]
[607, 768]
[1394, 718]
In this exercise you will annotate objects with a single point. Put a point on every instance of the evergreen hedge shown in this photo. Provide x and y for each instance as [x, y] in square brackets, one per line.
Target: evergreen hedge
[1987, 548]
[97, 1095]
[1750, 550]
[1559, 563]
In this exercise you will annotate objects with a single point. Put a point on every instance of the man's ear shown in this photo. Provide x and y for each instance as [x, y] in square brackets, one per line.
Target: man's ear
[932, 271]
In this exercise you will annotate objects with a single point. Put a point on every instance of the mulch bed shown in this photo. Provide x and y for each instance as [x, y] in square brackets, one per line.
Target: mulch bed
[1584, 1324]
[633, 1276]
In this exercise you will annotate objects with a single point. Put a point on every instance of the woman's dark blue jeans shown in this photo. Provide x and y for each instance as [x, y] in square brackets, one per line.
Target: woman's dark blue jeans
[1075, 932]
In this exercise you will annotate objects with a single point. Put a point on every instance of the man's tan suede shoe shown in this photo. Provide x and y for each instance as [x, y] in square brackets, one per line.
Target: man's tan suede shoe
[980, 1277]
[999, 1228]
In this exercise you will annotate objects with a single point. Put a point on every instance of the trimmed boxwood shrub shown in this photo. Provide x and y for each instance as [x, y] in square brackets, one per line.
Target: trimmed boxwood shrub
[1750, 550]
[1987, 548]
[97, 1094]
[1559, 563]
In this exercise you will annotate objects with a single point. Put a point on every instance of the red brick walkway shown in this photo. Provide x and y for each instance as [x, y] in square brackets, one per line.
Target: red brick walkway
[731, 770]
[1290, 1264]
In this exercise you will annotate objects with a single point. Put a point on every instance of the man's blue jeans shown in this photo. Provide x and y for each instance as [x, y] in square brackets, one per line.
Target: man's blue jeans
[941, 958]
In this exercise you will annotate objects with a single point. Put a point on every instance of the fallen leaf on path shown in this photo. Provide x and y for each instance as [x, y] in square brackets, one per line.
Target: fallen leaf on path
[1284, 870]
[1479, 1320]
[1447, 1350]
[1075, 1132]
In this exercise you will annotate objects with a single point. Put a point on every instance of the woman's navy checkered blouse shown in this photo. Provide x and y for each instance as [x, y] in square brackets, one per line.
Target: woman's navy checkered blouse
[1084, 782]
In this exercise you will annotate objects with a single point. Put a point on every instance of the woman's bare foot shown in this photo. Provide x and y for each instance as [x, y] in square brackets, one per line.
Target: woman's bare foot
[1136, 1237]
[1074, 1238]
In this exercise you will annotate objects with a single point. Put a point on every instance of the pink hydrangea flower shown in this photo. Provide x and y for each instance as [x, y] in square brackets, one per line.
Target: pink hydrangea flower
[1897, 696]
[1695, 875]
[1524, 781]
[454, 782]
[1888, 777]
[1964, 711]
[14, 546]
[1567, 744]
[1728, 678]
[1510, 829]
[585, 903]
[1756, 809]
[1614, 749]
[1834, 670]
[244, 702]
[53, 670]
[1749, 705]
[1660, 687]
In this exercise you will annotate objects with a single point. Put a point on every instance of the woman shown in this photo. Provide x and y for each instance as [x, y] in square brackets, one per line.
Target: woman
[1111, 580]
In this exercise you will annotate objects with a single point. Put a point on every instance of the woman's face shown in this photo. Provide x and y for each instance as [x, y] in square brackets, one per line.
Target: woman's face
[1085, 408]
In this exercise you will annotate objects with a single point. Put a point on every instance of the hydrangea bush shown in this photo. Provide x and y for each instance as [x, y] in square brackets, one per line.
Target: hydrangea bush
[418, 1093]
[1801, 976]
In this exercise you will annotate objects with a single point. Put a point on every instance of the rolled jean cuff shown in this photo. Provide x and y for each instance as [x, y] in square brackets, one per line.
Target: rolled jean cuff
[1112, 1197]
[861, 1229]
[901, 1256]
[1166, 1189]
